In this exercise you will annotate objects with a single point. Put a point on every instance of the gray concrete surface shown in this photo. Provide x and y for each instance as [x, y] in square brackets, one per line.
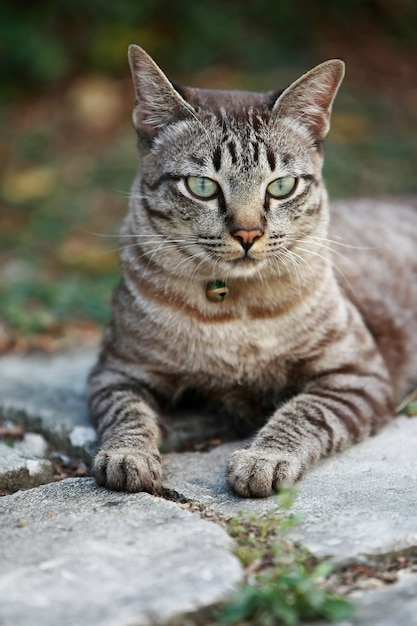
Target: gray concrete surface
[357, 506]
[395, 605]
[76, 555]
[71, 553]
[46, 395]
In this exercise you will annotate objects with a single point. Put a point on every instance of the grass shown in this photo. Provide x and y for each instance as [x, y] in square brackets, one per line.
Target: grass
[285, 585]
[38, 306]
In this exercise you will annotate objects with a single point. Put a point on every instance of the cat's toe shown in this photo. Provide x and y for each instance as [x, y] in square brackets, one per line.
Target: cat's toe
[126, 469]
[249, 474]
[253, 473]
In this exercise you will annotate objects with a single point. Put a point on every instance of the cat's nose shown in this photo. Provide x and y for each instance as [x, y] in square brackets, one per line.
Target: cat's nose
[247, 237]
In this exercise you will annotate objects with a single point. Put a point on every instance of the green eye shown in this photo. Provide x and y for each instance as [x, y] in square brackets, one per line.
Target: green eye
[282, 187]
[202, 187]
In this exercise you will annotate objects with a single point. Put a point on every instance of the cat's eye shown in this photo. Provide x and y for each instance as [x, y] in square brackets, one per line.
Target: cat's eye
[282, 187]
[202, 187]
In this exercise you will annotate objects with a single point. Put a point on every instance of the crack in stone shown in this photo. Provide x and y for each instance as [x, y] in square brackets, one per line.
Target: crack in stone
[387, 559]
[173, 495]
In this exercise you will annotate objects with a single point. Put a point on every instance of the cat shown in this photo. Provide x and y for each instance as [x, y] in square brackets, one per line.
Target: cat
[232, 286]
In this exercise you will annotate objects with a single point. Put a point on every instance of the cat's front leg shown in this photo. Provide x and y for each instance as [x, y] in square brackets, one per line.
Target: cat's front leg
[331, 413]
[126, 421]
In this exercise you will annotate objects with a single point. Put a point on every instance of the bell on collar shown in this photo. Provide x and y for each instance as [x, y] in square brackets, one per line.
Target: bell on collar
[217, 291]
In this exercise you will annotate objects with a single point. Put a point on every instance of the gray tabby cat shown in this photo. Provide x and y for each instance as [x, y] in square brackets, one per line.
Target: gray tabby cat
[230, 287]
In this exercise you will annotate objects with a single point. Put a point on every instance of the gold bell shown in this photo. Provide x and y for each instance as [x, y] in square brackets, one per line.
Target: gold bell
[217, 291]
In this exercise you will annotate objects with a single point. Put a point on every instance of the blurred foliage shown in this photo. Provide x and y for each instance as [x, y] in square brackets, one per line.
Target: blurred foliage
[45, 42]
[67, 156]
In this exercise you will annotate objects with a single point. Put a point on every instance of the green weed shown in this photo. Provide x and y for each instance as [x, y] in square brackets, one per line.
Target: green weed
[408, 406]
[284, 583]
[410, 409]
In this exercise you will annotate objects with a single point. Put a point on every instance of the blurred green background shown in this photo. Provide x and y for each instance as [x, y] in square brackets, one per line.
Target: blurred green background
[68, 149]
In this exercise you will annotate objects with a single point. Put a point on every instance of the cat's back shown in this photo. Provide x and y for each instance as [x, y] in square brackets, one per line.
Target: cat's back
[375, 260]
[374, 243]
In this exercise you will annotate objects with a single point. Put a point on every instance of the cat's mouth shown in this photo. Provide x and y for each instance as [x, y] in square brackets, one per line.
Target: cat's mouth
[242, 266]
[246, 259]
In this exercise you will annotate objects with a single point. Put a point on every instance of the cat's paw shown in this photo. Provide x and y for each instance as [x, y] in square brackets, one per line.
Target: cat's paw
[128, 469]
[256, 473]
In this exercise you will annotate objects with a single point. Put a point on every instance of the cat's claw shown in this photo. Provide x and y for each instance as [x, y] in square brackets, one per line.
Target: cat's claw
[128, 469]
[253, 473]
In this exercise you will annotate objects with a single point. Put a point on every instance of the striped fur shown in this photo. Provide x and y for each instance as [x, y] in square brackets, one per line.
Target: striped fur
[316, 340]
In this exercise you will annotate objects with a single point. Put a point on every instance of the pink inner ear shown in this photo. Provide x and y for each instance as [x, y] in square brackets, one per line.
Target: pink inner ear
[322, 100]
[319, 114]
[314, 114]
[316, 108]
[325, 98]
[310, 98]
[316, 122]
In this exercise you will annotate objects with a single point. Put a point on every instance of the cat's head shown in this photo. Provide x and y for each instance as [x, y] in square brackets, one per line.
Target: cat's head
[233, 178]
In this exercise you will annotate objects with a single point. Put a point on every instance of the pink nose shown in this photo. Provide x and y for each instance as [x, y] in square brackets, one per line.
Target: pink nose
[247, 237]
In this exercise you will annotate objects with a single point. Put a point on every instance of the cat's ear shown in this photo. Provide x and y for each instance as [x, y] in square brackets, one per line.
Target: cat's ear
[309, 100]
[157, 102]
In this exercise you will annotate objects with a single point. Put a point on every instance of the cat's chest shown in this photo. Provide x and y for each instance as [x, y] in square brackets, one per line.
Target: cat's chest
[242, 347]
[254, 341]
[229, 352]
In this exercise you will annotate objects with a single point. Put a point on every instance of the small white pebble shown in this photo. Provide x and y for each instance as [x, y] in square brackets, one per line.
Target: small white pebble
[32, 445]
[83, 435]
[34, 467]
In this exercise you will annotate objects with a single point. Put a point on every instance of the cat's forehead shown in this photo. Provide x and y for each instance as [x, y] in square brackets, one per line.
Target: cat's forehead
[235, 102]
[233, 130]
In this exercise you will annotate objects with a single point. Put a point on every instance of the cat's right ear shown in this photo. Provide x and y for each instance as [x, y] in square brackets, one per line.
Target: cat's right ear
[309, 100]
[157, 102]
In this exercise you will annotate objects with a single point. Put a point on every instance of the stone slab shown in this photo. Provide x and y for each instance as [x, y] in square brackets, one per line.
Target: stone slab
[46, 395]
[201, 477]
[395, 605]
[362, 504]
[76, 555]
[358, 505]
[19, 472]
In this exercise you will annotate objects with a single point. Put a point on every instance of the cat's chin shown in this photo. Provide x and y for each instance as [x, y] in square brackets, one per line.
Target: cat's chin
[245, 267]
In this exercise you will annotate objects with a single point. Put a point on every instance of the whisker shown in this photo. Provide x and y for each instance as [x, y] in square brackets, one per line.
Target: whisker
[145, 254]
[128, 194]
[90, 232]
[141, 243]
[153, 236]
[321, 256]
[342, 244]
[316, 254]
[205, 259]
[297, 268]
[333, 251]
[190, 257]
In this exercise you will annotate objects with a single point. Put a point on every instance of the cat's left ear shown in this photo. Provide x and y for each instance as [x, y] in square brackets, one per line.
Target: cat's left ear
[157, 102]
[309, 100]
